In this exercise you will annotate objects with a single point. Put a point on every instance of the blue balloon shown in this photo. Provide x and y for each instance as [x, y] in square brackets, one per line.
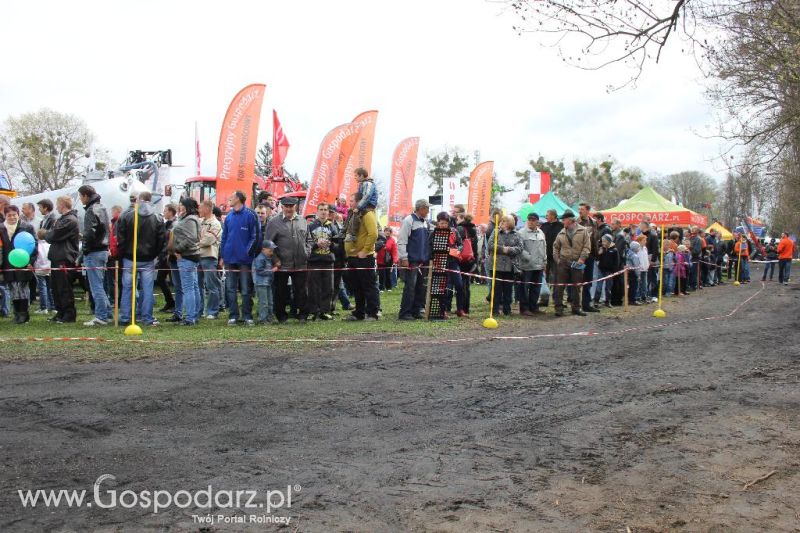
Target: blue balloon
[25, 241]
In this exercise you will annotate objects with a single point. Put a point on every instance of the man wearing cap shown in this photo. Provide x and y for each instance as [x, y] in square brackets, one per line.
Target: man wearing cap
[532, 262]
[288, 231]
[570, 251]
[413, 250]
[241, 242]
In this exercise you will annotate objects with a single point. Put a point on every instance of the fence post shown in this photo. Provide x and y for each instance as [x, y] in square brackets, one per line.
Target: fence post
[116, 293]
[625, 286]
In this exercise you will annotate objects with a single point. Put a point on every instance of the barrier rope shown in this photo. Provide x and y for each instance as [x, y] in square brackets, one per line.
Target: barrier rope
[387, 342]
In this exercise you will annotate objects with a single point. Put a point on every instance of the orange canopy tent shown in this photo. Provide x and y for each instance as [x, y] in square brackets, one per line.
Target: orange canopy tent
[661, 211]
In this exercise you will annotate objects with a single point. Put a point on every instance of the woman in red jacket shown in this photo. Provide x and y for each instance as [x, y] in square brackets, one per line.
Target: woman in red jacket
[785, 252]
[386, 259]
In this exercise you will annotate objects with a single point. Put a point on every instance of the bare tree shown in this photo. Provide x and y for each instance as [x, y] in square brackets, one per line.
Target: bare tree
[41, 151]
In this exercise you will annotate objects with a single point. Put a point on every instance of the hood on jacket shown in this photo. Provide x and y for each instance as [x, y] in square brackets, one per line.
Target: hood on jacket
[93, 199]
[635, 246]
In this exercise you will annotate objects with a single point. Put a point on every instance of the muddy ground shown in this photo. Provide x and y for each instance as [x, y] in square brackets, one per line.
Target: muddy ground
[652, 430]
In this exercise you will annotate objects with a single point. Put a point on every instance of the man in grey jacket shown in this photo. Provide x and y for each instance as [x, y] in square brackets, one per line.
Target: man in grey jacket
[288, 231]
[532, 263]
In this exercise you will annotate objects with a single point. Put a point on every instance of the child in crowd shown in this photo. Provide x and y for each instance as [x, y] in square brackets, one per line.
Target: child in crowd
[644, 267]
[262, 279]
[681, 270]
[366, 197]
[41, 269]
[669, 265]
[632, 263]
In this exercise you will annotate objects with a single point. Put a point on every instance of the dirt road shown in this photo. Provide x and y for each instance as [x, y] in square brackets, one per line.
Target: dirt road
[651, 429]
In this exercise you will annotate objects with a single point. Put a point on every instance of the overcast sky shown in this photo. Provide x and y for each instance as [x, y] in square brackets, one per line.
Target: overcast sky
[449, 71]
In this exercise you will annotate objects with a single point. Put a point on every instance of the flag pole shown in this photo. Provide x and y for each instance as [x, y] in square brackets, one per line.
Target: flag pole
[133, 329]
[491, 323]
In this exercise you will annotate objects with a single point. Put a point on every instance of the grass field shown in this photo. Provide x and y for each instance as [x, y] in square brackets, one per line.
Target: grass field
[21, 341]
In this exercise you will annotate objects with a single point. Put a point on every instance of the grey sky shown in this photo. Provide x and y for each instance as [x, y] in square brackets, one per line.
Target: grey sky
[451, 72]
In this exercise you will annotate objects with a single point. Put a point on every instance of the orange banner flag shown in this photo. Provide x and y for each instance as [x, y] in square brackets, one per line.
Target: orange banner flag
[401, 187]
[236, 155]
[324, 185]
[480, 192]
[357, 152]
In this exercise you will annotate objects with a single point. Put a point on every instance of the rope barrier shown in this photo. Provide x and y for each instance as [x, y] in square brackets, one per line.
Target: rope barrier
[387, 342]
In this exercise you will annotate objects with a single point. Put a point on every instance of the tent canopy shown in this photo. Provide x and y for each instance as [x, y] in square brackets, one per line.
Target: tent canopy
[722, 230]
[661, 211]
[548, 201]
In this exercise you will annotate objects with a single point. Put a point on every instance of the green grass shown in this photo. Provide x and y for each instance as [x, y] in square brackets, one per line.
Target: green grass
[20, 340]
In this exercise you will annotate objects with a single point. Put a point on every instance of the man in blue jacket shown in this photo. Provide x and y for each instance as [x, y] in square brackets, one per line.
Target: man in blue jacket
[241, 241]
[414, 253]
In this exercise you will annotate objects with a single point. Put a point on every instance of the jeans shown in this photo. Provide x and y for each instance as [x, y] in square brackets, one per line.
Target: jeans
[652, 282]
[45, 297]
[531, 289]
[208, 280]
[454, 284]
[175, 275]
[669, 282]
[633, 286]
[264, 293]
[643, 286]
[239, 278]
[768, 267]
[191, 290]
[784, 269]
[145, 275]
[412, 302]
[365, 286]
[95, 263]
[604, 287]
[588, 275]
[6, 296]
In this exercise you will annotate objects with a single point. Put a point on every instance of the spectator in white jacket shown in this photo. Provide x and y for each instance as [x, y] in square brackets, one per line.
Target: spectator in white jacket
[532, 264]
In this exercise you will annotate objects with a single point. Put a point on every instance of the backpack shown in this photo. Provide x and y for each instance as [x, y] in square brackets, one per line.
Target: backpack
[380, 244]
[467, 253]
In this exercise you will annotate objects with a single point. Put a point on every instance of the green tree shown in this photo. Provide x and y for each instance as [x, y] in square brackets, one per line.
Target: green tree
[264, 161]
[446, 163]
[42, 151]
[599, 184]
[690, 188]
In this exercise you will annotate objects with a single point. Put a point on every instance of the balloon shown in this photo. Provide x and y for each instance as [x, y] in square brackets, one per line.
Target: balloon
[25, 241]
[19, 258]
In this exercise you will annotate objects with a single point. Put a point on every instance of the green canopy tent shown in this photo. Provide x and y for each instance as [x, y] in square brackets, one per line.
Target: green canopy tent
[548, 201]
[648, 202]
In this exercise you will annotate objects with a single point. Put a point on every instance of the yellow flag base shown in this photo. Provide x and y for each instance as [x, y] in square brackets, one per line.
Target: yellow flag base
[736, 283]
[490, 323]
[133, 329]
[659, 313]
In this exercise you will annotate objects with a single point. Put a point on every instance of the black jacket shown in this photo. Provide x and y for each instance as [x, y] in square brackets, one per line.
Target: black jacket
[11, 273]
[551, 231]
[63, 238]
[608, 259]
[95, 226]
[152, 237]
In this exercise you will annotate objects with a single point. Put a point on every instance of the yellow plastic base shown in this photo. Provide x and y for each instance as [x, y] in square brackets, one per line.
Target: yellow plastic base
[133, 329]
[736, 283]
[659, 313]
[490, 323]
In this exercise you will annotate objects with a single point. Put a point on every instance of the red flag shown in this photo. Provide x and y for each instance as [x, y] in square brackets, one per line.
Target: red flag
[196, 150]
[480, 192]
[280, 146]
[324, 184]
[357, 152]
[236, 154]
[404, 166]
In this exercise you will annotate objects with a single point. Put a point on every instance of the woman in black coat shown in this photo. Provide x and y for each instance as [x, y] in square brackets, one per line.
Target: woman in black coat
[17, 280]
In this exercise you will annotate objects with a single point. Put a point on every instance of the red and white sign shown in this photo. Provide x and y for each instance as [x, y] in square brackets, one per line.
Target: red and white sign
[538, 185]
